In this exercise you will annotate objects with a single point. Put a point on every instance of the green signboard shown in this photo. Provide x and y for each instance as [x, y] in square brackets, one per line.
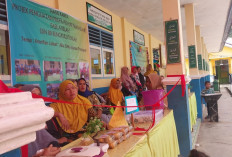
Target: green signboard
[192, 56]
[203, 64]
[199, 59]
[99, 17]
[172, 41]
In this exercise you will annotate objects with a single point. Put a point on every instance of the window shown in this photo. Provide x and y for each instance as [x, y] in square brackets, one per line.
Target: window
[101, 52]
[108, 62]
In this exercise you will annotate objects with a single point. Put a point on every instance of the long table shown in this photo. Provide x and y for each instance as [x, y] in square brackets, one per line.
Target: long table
[160, 141]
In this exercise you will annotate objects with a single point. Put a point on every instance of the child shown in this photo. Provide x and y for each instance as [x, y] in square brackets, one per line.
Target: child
[207, 90]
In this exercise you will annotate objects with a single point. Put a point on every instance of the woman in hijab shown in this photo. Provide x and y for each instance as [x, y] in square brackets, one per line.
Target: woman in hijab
[115, 95]
[154, 82]
[149, 70]
[127, 82]
[90, 95]
[72, 117]
[134, 74]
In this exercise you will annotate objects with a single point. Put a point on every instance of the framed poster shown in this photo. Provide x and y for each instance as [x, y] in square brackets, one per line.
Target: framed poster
[131, 101]
[172, 41]
[139, 56]
[199, 58]
[139, 38]
[192, 56]
[99, 17]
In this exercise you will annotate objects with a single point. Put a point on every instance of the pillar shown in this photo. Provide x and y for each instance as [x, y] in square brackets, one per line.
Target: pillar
[193, 62]
[176, 66]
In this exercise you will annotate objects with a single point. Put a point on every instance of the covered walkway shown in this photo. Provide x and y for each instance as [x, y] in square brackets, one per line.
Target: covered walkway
[215, 139]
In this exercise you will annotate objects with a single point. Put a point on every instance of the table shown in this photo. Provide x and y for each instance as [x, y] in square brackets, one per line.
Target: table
[160, 141]
[192, 109]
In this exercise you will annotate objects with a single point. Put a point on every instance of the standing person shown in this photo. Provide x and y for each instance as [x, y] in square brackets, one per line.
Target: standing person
[141, 77]
[207, 90]
[90, 95]
[149, 70]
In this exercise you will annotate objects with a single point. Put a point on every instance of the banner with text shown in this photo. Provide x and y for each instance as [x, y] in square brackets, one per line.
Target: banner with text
[47, 46]
[139, 56]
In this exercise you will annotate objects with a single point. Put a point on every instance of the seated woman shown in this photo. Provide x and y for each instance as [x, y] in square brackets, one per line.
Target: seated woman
[128, 86]
[72, 117]
[149, 70]
[154, 82]
[115, 95]
[90, 95]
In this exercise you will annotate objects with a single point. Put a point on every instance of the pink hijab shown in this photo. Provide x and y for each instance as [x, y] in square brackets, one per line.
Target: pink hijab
[125, 78]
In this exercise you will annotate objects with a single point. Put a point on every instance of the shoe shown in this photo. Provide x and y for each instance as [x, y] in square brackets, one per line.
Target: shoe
[207, 117]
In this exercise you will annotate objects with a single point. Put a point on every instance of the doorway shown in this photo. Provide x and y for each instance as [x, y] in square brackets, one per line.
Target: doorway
[222, 71]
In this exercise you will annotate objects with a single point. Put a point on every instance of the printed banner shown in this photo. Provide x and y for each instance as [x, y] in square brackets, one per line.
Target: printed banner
[99, 17]
[47, 46]
[139, 56]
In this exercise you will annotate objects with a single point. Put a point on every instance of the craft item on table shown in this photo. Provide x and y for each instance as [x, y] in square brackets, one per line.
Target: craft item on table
[116, 134]
[124, 130]
[120, 140]
[113, 144]
[106, 139]
[146, 116]
[151, 97]
[118, 118]
[86, 141]
[131, 128]
[87, 151]
[125, 137]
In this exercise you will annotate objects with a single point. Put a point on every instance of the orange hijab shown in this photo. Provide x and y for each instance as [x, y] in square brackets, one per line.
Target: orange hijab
[115, 95]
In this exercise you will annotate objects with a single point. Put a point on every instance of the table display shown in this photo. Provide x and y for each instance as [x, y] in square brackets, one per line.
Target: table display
[160, 141]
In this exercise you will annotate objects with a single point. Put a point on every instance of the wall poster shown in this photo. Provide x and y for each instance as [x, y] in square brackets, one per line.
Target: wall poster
[139, 56]
[172, 41]
[47, 45]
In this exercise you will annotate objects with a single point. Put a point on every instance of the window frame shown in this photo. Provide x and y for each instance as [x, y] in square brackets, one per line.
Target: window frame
[112, 51]
[102, 48]
[98, 48]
